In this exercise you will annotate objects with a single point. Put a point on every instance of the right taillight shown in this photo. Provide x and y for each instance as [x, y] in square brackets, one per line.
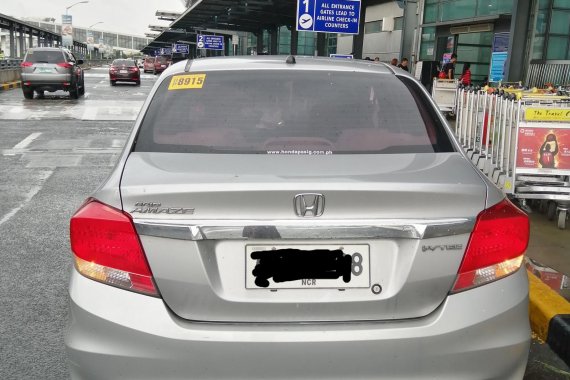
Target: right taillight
[107, 248]
[65, 65]
[496, 246]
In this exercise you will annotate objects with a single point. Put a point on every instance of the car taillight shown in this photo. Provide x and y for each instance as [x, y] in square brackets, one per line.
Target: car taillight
[26, 64]
[496, 246]
[133, 68]
[65, 65]
[107, 248]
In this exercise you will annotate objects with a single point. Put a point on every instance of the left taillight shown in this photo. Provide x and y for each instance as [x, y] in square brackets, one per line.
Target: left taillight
[26, 64]
[496, 246]
[107, 248]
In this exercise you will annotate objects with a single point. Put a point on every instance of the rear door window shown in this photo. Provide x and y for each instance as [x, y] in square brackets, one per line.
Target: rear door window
[45, 56]
[290, 112]
[124, 62]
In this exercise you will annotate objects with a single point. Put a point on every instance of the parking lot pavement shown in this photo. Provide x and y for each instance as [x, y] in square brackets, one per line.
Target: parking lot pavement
[53, 153]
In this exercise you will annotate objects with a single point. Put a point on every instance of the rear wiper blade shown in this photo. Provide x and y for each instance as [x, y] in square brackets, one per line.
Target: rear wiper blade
[41, 62]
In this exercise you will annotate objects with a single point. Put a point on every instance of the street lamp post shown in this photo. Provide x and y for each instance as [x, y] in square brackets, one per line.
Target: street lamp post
[90, 31]
[74, 4]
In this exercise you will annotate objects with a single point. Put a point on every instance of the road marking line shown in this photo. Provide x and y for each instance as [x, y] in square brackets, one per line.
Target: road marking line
[86, 95]
[90, 113]
[29, 195]
[16, 110]
[27, 141]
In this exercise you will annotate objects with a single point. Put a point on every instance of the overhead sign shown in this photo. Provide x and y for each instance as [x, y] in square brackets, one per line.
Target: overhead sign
[205, 41]
[66, 31]
[180, 48]
[165, 51]
[329, 16]
[344, 56]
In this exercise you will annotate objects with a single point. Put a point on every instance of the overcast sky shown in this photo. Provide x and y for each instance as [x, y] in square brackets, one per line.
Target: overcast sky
[122, 16]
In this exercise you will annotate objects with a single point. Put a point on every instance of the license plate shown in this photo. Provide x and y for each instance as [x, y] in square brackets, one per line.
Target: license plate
[123, 71]
[44, 70]
[162, 65]
[307, 266]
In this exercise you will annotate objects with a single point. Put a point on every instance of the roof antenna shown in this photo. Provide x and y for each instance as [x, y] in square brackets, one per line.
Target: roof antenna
[290, 59]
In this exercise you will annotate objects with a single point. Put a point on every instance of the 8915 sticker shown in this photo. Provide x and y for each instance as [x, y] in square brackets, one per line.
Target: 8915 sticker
[188, 81]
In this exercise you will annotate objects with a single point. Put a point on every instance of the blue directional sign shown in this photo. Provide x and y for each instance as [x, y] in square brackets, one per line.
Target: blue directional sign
[165, 51]
[329, 16]
[180, 48]
[205, 41]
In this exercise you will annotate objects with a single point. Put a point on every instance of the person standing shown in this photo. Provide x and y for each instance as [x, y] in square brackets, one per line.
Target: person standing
[394, 62]
[449, 68]
[465, 78]
[404, 64]
[1, 54]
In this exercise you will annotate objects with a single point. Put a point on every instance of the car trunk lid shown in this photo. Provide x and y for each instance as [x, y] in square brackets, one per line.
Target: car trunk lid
[202, 216]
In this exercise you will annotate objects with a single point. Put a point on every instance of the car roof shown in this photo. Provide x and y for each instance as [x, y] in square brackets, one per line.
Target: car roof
[267, 62]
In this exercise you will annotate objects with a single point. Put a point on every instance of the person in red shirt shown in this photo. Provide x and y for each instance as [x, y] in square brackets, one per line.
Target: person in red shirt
[466, 75]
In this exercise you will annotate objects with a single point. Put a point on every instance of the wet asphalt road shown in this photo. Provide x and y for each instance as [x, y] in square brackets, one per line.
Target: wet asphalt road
[53, 153]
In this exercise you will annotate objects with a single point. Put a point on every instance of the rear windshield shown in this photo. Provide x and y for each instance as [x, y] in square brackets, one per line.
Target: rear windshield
[161, 59]
[45, 56]
[124, 62]
[290, 112]
[149, 60]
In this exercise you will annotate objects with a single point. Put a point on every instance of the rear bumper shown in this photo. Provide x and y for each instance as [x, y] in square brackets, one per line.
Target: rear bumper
[125, 78]
[479, 334]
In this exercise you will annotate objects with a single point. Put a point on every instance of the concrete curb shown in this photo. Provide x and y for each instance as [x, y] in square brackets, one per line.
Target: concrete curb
[10, 85]
[550, 317]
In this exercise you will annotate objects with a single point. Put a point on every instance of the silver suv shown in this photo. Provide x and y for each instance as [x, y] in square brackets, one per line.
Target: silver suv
[52, 69]
[296, 218]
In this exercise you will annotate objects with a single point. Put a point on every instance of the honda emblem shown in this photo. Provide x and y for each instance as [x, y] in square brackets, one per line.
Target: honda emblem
[309, 204]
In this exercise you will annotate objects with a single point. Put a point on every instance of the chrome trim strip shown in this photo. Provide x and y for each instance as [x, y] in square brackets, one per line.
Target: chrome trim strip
[286, 229]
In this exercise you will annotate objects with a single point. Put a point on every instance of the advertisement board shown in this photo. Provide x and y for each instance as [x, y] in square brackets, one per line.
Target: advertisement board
[543, 149]
[66, 31]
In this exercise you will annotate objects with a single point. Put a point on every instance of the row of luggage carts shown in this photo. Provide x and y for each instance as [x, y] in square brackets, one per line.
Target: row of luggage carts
[521, 141]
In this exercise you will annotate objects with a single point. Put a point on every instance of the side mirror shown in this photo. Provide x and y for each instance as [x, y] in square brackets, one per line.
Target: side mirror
[80, 62]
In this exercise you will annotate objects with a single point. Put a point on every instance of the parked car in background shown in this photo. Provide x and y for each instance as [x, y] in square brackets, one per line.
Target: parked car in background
[160, 64]
[296, 218]
[148, 65]
[51, 69]
[124, 70]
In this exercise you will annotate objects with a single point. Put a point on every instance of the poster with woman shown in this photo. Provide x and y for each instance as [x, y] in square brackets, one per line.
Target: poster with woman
[543, 148]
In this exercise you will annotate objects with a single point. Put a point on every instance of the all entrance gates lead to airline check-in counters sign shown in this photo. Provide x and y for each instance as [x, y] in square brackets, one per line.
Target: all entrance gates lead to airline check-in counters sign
[328, 16]
[206, 41]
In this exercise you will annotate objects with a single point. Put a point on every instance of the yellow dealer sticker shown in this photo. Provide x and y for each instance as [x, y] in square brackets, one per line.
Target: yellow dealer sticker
[184, 82]
[547, 114]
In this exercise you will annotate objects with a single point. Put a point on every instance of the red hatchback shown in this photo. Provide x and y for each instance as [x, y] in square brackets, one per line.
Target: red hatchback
[124, 70]
[160, 64]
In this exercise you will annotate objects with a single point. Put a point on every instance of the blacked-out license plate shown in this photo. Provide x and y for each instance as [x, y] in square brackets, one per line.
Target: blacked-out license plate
[307, 266]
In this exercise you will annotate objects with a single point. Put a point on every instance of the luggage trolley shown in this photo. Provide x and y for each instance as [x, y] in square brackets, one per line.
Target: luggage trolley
[444, 93]
[541, 166]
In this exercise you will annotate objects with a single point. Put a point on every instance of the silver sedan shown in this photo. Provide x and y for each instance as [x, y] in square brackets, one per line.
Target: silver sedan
[296, 218]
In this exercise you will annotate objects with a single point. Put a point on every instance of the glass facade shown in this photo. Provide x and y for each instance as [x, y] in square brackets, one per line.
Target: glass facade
[474, 48]
[552, 30]
[427, 47]
[448, 10]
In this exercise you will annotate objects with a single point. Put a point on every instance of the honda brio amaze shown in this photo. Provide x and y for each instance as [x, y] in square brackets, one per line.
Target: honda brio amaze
[296, 218]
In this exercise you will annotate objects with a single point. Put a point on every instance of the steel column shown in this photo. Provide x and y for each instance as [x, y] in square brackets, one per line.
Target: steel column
[294, 40]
